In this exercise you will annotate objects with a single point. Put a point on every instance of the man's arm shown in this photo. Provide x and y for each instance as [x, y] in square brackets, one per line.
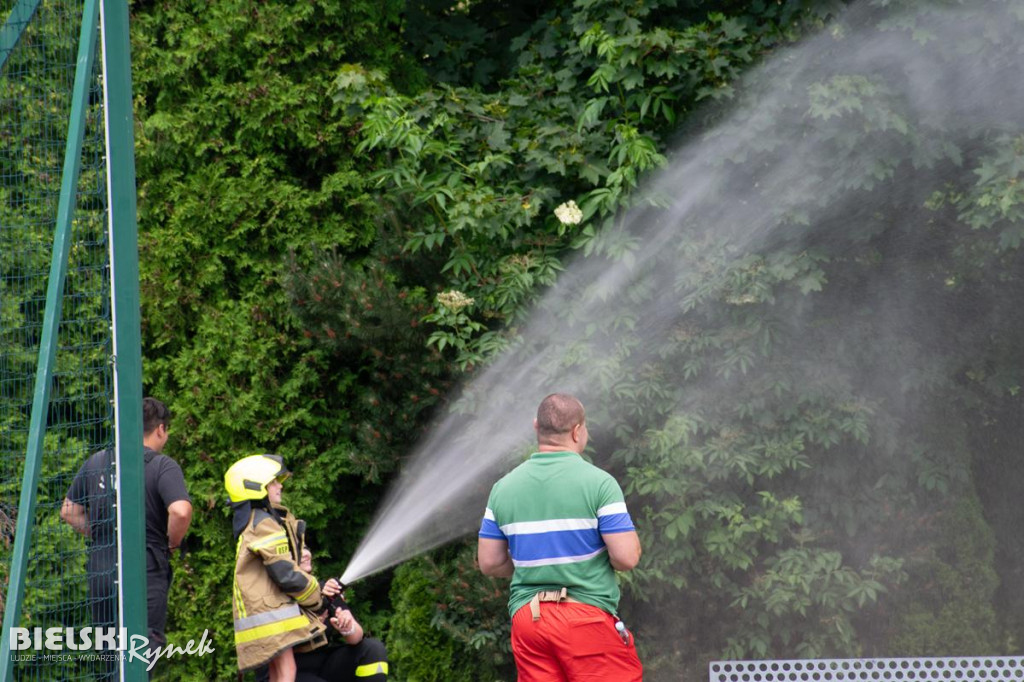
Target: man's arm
[76, 516]
[179, 516]
[493, 557]
[623, 549]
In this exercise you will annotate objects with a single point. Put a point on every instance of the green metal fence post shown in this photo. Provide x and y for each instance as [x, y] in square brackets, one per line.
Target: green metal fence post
[14, 27]
[124, 267]
[51, 325]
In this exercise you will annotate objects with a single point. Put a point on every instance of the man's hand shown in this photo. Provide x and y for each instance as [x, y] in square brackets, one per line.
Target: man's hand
[76, 516]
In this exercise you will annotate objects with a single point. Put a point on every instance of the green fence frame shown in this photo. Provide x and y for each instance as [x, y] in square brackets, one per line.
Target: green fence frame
[124, 267]
[14, 27]
[112, 17]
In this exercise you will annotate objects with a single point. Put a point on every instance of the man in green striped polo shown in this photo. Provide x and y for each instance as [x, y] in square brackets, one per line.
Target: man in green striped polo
[558, 526]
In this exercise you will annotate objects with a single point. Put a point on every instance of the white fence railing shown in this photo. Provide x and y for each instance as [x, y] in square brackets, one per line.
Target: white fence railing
[954, 669]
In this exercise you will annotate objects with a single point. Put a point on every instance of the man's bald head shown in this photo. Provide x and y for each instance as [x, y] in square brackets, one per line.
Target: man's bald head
[557, 415]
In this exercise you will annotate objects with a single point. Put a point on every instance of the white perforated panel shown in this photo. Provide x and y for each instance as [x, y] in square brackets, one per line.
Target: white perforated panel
[982, 668]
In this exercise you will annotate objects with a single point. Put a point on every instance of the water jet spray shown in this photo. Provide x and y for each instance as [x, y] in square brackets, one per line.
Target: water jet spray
[790, 282]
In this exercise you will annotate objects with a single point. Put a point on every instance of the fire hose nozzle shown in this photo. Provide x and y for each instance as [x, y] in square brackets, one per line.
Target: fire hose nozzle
[338, 600]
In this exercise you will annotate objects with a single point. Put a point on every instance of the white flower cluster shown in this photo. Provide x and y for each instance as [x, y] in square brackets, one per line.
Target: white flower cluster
[569, 213]
[454, 300]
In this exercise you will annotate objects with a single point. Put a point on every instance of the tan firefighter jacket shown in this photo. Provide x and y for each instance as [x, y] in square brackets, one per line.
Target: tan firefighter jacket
[273, 597]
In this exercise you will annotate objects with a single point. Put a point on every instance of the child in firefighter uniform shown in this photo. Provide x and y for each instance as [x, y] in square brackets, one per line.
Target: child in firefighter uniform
[275, 601]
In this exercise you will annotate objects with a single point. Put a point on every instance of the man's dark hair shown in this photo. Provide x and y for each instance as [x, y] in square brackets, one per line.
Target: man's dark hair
[154, 413]
[558, 413]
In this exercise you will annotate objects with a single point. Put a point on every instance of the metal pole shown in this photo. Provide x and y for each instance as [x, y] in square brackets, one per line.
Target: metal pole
[14, 27]
[124, 272]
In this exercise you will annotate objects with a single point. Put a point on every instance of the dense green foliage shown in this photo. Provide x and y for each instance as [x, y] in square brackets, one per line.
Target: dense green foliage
[766, 467]
[450, 618]
[347, 208]
[241, 161]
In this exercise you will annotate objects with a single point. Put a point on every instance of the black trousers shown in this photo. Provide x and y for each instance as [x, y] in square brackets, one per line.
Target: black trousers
[338, 663]
[101, 570]
[158, 584]
[103, 596]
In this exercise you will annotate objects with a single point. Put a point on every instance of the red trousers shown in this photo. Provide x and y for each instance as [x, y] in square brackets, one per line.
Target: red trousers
[572, 642]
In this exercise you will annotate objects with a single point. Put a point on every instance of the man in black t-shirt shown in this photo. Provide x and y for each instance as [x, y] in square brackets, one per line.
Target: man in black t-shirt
[89, 509]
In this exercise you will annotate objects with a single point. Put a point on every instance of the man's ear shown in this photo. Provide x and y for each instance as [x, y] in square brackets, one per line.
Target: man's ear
[535, 424]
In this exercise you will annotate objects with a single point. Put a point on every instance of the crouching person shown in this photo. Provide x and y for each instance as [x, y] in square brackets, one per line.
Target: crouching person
[356, 658]
[275, 600]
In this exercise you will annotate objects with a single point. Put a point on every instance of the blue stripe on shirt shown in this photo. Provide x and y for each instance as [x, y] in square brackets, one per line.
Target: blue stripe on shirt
[489, 529]
[615, 523]
[556, 544]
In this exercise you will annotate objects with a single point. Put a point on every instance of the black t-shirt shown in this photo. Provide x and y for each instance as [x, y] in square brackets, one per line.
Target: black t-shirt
[93, 487]
[164, 484]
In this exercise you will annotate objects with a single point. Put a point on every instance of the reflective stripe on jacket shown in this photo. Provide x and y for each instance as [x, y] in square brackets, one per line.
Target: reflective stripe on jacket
[273, 597]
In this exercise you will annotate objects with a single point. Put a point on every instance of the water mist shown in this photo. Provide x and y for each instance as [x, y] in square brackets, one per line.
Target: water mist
[802, 220]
